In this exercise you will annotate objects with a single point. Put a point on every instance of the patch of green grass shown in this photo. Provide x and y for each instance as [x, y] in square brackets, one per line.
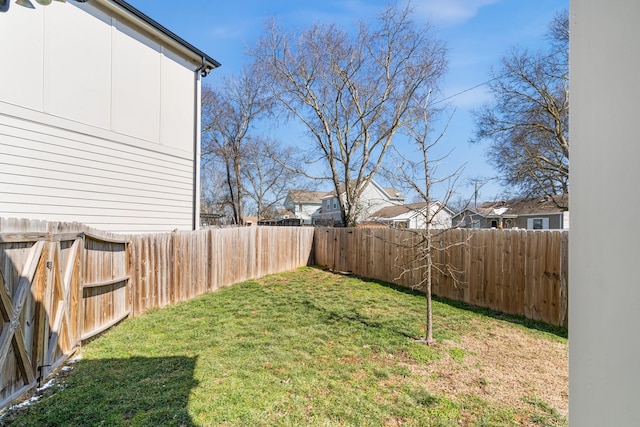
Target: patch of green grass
[457, 354]
[544, 414]
[301, 348]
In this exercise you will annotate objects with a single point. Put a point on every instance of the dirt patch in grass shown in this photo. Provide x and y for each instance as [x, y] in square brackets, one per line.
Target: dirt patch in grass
[505, 365]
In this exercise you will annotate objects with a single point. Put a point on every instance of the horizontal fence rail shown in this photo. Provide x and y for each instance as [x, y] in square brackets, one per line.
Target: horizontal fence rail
[45, 270]
[62, 283]
[513, 271]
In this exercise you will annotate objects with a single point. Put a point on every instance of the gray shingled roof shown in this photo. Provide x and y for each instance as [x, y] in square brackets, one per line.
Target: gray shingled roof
[394, 211]
[532, 206]
[306, 196]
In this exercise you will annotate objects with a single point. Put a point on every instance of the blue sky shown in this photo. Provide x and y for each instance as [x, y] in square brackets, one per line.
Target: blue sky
[476, 32]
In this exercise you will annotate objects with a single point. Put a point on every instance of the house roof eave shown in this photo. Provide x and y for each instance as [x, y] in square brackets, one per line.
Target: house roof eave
[132, 15]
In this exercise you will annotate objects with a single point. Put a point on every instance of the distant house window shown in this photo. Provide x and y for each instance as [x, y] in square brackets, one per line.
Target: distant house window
[538, 223]
[335, 204]
[494, 223]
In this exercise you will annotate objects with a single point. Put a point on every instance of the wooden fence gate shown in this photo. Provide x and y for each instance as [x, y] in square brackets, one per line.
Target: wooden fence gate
[52, 285]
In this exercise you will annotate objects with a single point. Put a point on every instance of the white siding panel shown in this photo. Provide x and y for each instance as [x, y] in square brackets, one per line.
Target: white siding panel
[136, 85]
[92, 194]
[177, 109]
[107, 184]
[21, 75]
[78, 79]
[36, 155]
[96, 122]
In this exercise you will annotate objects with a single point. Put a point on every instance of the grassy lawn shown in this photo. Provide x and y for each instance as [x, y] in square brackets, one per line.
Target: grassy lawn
[309, 348]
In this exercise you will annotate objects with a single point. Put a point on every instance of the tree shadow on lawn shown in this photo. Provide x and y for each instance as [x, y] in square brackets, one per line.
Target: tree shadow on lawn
[511, 318]
[116, 392]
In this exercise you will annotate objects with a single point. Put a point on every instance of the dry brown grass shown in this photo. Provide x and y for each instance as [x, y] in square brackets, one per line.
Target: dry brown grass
[502, 364]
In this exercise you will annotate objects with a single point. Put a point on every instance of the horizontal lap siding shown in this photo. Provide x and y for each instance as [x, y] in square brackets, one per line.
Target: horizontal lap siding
[54, 174]
[113, 148]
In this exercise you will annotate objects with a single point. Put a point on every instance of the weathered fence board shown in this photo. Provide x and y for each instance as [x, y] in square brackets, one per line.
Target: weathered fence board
[512, 271]
[173, 267]
[41, 301]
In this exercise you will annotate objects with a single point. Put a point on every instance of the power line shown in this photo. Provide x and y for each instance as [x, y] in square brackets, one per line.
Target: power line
[467, 90]
[506, 73]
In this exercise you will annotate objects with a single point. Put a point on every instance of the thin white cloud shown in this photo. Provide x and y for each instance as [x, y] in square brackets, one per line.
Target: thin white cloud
[450, 12]
[222, 32]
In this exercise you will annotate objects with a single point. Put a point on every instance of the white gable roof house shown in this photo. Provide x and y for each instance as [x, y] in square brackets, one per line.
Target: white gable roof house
[303, 203]
[414, 216]
[374, 197]
[99, 117]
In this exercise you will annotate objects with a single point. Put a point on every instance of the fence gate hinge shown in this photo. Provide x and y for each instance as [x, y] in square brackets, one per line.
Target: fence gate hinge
[40, 373]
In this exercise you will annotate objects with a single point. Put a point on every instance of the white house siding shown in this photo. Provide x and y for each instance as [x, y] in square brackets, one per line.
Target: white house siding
[372, 200]
[441, 220]
[96, 122]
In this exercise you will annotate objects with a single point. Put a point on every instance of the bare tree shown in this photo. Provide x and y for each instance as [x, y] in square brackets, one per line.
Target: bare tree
[351, 91]
[228, 114]
[417, 171]
[214, 197]
[269, 174]
[527, 124]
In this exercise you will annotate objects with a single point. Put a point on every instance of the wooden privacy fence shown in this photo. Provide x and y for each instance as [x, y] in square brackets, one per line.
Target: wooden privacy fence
[173, 267]
[61, 284]
[513, 271]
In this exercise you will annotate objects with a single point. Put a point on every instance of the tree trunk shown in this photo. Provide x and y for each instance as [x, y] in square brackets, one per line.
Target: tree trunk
[429, 326]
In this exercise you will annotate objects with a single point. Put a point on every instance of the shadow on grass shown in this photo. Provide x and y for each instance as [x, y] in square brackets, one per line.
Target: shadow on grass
[115, 392]
[511, 318]
[355, 317]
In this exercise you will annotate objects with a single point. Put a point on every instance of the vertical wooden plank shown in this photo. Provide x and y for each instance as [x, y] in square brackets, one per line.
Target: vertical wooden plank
[563, 317]
[477, 266]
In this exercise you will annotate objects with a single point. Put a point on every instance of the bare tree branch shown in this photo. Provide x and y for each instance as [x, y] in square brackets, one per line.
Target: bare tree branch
[527, 124]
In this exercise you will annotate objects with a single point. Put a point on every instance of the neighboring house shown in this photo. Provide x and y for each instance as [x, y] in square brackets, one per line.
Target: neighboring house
[250, 220]
[540, 213]
[374, 197]
[99, 117]
[414, 216]
[282, 217]
[302, 204]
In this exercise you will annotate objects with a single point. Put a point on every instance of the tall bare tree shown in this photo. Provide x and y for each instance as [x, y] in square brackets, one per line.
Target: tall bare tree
[228, 114]
[351, 90]
[528, 122]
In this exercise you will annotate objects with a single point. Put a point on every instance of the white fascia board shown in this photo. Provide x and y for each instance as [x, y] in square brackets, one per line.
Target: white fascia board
[126, 13]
